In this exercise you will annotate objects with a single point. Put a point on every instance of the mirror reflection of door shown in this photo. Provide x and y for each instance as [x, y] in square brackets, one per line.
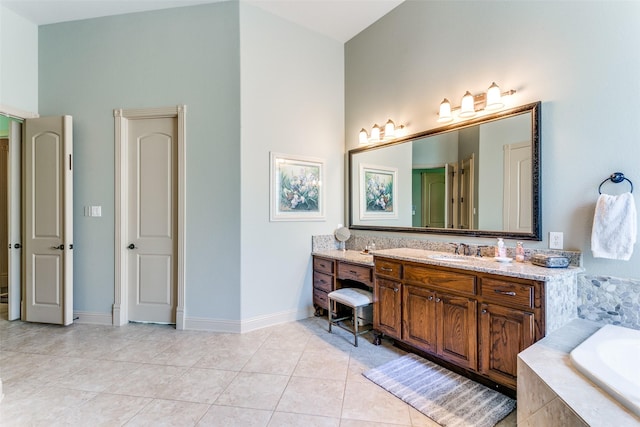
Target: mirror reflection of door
[467, 189]
[429, 197]
[517, 187]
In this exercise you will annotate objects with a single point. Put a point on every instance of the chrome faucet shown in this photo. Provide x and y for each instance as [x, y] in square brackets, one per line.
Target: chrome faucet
[479, 250]
[466, 250]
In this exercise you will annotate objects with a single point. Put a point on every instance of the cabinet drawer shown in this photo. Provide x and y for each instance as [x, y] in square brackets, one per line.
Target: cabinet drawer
[320, 299]
[446, 280]
[358, 273]
[388, 268]
[505, 292]
[322, 281]
[322, 264]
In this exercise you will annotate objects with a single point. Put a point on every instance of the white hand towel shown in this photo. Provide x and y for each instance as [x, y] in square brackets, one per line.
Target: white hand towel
[614, 227]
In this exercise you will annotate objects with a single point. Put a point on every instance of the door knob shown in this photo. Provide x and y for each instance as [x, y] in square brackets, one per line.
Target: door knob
[131, 246]
[59, 247]
[16, 246]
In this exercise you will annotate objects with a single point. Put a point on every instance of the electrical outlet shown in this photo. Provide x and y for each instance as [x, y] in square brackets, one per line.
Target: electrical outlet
[555, 239]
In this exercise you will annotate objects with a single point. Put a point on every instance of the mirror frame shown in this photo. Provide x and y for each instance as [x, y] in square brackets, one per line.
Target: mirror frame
[536, 220]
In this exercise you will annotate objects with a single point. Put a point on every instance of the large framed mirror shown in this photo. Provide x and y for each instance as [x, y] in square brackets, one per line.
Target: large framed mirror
[480, 177]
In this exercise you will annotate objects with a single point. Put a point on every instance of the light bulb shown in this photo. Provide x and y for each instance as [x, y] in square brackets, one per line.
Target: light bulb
[494, 98]
[467, 106]
[375, 133]
[363, 136]
[445, 112]
[389, 130]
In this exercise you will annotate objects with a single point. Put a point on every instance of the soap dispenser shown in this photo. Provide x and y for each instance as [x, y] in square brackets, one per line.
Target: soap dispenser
[501, 250]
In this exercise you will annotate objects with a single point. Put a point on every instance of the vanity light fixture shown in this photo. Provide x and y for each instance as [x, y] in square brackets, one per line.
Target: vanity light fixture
[379, 134]
[491, 100]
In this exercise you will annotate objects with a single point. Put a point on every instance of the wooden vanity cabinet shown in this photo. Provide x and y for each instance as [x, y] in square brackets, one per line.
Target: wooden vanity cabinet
[504, 332]
[477, 321]
[324, 281]
[387, 314]
[330, 274]
[507, 325]
[457, 330]
[387, 298]
[437, 321]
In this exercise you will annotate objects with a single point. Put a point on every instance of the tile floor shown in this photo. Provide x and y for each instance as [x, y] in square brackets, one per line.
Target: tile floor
[294, 374]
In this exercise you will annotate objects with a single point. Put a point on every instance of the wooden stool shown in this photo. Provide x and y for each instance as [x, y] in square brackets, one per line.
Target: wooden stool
[353, 298]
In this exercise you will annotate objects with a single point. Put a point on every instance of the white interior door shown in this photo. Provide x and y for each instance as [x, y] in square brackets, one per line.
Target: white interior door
[152, 219]
[517, 192]
[48, 213]
[14, 217]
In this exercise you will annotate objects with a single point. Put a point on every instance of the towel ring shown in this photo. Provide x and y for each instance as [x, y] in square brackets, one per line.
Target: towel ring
[616, 178]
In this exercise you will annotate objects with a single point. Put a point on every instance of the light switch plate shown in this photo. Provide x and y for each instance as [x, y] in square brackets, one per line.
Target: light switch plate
[556, 239]
[93, 211]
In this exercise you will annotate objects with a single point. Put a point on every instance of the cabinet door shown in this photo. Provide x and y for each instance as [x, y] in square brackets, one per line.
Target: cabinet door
[457, 330]
[419, 317]
[504, 332]
[387, 307]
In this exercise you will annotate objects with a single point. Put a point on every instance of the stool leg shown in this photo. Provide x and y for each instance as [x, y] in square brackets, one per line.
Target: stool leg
[355, 323]
[329, 314]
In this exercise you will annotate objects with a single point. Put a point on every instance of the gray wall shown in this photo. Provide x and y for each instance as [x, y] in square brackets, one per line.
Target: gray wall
[578, 58]
[253, 84]
[292, 103]
[18, 62]
[176, 56]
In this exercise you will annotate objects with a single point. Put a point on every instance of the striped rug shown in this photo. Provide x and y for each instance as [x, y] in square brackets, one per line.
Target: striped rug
[447, 398]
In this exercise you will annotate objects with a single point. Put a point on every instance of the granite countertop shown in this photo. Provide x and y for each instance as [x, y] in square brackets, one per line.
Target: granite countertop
[524, 270]
[354, 257]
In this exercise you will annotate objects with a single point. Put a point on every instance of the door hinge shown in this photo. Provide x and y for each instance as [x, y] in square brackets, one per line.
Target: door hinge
[69, 161]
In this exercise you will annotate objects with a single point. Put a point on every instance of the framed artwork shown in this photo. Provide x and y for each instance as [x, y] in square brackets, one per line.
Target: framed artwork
[297, 193]
[378, 192]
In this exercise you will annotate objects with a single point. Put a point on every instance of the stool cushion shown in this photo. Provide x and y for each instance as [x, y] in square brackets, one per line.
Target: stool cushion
[353, 297]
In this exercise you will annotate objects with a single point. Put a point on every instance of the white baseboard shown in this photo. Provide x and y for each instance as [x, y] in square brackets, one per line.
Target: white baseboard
[260, 322]
[212, 325]
[92, 318]
[247, 325]
[208, 324]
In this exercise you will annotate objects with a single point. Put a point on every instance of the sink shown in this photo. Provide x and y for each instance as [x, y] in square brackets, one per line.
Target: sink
[450, 257]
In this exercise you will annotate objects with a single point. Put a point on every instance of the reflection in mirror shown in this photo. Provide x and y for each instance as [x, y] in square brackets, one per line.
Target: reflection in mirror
[478, 178]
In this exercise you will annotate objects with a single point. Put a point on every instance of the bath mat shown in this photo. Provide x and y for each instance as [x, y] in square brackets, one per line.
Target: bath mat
[447, 398]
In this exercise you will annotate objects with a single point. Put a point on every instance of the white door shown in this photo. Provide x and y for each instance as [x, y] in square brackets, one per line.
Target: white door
[48, 203]
[517, 192]
[152, 219]
[14, 211]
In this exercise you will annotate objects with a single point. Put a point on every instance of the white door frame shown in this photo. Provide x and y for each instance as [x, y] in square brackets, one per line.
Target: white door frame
[122, 117]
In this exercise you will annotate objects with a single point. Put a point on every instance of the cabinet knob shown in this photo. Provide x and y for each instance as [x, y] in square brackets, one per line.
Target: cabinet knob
[395, 289]
[430, 298]
[484, 311]
[438, 300]
[386, 269]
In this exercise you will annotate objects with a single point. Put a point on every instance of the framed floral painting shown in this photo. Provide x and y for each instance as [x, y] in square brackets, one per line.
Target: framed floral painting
[297, 193]
[378, 192]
